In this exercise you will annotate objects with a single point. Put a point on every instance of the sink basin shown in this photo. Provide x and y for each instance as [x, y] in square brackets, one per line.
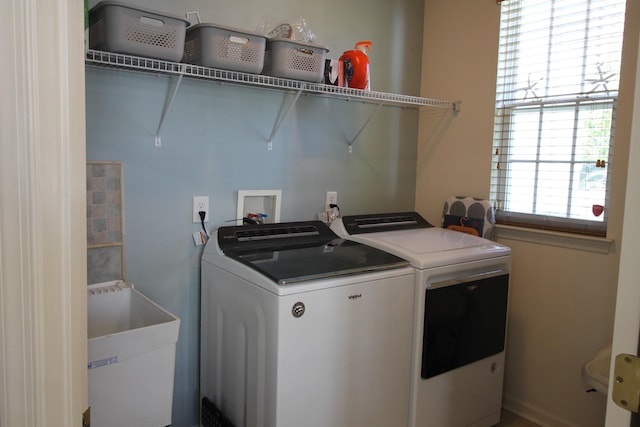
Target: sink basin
[596, 371]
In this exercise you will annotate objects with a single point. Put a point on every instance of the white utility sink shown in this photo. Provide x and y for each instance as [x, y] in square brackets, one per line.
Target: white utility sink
[131, 361]
[596, 371]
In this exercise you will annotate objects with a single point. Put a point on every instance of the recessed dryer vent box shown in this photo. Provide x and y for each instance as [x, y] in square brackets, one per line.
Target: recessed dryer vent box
[257, 202]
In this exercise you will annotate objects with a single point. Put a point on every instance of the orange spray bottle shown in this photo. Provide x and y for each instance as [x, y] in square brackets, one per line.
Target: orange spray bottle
[359, 60]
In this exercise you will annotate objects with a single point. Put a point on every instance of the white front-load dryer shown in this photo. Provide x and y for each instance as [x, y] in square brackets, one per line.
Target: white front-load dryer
[460, 316]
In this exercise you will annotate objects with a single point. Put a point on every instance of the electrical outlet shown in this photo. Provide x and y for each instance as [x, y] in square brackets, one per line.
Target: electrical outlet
[332, 199]
[200, 203]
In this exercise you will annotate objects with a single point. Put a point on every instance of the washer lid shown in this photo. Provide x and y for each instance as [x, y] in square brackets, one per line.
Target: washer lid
[294, 252]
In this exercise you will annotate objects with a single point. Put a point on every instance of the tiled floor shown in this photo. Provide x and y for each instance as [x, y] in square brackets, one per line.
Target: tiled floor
[511, 420]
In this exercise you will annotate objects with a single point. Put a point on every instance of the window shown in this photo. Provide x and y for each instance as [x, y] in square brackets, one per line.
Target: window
[557, 89]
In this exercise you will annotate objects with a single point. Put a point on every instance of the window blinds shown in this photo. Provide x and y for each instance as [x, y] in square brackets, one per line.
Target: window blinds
[556, 94]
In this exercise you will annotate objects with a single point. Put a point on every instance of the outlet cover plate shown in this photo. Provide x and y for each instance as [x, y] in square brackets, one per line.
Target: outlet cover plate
[332, 198]
[200, 203]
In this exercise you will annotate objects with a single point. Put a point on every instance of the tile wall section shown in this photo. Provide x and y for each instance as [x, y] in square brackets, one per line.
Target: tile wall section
[105, 225]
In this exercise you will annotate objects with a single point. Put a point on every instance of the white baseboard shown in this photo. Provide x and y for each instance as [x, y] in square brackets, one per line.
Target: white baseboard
[534, 414]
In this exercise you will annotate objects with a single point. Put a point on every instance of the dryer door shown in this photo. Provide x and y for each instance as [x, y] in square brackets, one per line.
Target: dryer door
[465, 321]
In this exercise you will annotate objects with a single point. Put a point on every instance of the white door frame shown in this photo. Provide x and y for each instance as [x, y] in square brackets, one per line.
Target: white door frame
[43, 317]
[627, 320]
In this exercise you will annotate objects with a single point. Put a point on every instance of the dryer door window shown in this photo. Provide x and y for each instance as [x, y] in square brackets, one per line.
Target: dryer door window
[463, 323]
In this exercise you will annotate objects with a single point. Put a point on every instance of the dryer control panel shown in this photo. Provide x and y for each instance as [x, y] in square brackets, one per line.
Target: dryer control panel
[374, 223]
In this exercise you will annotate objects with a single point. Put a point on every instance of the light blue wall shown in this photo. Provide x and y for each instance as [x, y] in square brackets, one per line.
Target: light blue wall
[214, 143]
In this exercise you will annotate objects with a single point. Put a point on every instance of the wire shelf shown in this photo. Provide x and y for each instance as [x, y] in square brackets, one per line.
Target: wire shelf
[129, 62]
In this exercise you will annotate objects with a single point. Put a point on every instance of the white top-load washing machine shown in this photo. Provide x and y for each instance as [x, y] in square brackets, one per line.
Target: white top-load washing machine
[460, 315]
[302, 328]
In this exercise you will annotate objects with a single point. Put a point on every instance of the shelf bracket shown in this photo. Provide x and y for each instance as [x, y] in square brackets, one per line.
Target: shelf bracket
[167, 108]
[282, 119]
[366, 123]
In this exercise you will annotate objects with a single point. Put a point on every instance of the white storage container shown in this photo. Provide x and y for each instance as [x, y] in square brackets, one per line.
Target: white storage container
[122, 28]
[216, 46]
[132, 345]
[295, 60]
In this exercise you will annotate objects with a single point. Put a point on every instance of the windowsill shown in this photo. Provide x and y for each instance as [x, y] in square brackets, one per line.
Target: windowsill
[553, 238]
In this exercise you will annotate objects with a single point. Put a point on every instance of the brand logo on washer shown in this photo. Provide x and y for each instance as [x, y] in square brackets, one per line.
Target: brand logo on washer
[355, 296]
[297, 310]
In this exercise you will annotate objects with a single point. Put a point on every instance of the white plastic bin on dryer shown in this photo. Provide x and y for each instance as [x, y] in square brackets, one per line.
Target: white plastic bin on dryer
[132, 346]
